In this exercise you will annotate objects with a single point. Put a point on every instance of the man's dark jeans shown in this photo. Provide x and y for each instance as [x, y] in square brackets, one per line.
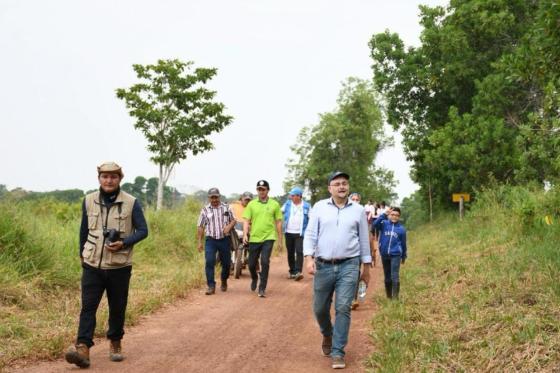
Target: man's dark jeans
[94, 283]
[223, 247]
[262, 249]
[294, 247]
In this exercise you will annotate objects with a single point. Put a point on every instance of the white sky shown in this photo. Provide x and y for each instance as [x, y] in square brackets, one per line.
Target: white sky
[279, 64]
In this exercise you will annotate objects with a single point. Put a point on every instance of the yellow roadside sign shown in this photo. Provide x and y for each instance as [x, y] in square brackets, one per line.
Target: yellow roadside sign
[457, 197]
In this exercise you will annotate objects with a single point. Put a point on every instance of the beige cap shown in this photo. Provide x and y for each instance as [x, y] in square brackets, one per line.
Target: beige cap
[110, 167]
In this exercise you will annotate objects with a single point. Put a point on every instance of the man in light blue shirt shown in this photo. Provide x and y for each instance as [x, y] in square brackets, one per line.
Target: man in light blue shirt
[336, 242]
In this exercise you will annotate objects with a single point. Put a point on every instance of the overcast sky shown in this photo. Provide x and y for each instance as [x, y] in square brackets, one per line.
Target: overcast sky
[279, 64]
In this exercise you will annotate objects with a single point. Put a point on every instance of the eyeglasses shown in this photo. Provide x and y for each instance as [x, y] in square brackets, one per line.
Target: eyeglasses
[338, 185]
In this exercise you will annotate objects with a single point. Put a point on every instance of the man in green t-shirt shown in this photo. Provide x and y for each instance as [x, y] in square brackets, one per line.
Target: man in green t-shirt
[264, 217]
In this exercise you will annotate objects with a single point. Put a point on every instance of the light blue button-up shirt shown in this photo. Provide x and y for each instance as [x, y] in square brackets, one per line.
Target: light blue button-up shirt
[337, 233]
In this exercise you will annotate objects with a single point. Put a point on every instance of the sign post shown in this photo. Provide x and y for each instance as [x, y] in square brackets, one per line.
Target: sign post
[461, 198]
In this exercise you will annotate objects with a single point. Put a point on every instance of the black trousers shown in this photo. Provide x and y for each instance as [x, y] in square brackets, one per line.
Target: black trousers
[294, 247]
[262, 250]
[94, 283]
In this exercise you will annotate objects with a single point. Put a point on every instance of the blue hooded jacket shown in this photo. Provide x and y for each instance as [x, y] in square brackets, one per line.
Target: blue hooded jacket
[392, 238]
[286, 209]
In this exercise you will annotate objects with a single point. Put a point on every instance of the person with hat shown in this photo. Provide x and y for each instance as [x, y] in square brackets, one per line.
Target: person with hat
[336, 243]
[112, 223]
[264, 218]
[215, 222]
[296, 217]
[239, 206]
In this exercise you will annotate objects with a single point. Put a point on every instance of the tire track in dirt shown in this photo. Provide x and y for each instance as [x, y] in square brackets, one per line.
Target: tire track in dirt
[233, 331]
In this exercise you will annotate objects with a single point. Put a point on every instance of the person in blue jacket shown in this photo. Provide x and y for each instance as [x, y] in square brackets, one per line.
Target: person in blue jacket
[392, 248]
[296, 217]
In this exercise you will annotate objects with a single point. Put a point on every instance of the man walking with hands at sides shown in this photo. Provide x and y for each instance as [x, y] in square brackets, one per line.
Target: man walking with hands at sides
[216, 220]
[112, 222]
[296, 217]
[265, 219]
[335, 244]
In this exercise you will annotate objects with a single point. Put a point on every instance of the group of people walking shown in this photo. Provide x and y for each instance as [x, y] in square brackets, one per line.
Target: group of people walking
[331, 241]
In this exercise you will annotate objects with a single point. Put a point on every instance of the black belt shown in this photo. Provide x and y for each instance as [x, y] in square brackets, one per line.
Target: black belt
[333, 261]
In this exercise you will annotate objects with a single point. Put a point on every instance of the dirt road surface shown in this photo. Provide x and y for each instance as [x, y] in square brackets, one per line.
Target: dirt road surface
[233, 331]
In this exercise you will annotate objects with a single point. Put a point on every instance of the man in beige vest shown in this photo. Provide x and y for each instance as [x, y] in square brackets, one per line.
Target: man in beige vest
[112, 222]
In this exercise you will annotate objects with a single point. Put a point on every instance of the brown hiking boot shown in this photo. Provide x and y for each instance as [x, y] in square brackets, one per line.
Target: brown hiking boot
[223, 286]
[210, 291]
[115, 351]
[326, 346]
[78, 354]
[355, 304]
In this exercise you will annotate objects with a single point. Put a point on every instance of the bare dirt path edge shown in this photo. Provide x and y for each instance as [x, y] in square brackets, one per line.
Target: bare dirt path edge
[233, 331]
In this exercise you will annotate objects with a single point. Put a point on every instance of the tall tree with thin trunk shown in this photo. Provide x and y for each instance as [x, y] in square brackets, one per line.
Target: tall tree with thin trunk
[175, 112]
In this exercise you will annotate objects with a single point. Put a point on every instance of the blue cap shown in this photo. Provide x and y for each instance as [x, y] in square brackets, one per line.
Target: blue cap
[296, 191]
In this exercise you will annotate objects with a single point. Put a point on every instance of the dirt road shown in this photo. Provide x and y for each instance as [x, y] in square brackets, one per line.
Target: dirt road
[233, 331]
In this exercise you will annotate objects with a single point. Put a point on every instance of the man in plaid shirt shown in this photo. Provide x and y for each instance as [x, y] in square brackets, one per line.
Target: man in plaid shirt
[215, 222]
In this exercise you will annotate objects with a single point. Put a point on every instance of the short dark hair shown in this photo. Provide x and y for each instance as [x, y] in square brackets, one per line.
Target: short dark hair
[397, 209]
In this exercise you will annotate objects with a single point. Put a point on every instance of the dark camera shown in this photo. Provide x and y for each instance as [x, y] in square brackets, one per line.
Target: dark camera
[111, 235]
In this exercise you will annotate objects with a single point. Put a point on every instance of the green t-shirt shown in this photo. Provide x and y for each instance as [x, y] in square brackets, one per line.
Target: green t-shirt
[263, 217]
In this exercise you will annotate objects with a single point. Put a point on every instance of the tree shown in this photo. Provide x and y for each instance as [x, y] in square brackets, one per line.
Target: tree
[175, 112]
[477, 101]
[346, 139]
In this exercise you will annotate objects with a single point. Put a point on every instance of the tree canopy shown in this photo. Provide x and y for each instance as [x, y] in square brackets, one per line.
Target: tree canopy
[175, 112]
[478, 100]
[347, 139]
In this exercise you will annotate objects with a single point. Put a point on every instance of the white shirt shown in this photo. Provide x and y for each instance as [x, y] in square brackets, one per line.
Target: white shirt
[296, 219]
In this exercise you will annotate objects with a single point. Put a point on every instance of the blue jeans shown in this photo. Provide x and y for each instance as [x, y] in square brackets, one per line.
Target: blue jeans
[342, 280]
[391, 268]
[224, 249]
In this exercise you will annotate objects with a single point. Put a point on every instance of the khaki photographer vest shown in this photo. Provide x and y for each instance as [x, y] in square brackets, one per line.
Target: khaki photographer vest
[119, 217]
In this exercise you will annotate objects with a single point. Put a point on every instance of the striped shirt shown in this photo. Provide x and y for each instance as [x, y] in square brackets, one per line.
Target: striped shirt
[214, 220]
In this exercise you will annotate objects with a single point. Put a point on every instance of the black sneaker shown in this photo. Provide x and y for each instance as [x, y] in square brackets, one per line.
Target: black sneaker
[262, 294]
[254, 284]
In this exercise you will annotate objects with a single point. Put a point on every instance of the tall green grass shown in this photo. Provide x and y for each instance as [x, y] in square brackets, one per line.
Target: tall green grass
[40, 273]
[482, 294]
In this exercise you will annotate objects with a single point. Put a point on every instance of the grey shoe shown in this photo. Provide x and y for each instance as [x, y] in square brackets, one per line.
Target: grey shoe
[326, 346]
[262, 294]
[211, 290]
[291, 276]
[338, 362]
[115, 351]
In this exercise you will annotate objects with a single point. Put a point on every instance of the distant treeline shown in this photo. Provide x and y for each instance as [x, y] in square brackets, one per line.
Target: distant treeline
[145, 190]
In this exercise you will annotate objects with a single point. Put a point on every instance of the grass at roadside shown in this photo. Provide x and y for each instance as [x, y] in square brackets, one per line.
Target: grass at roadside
[479, 295]
[40, 273]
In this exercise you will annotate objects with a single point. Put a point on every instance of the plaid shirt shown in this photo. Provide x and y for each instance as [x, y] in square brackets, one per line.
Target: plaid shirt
[214, 220]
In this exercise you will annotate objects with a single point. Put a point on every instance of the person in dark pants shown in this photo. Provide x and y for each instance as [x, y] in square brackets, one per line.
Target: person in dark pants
[392, 248]
[264, 217]
[112, 222]
[296, 217]
[216, 220]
